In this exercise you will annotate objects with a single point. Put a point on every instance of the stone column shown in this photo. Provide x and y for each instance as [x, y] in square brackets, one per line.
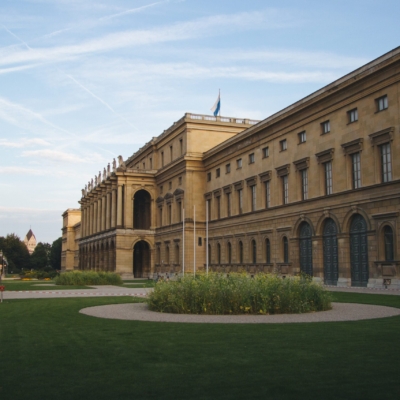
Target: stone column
[103, 213]
[128, 207]
[113, 208]
[108, 211]
[119, 207]
[99, 215]
[94, 217]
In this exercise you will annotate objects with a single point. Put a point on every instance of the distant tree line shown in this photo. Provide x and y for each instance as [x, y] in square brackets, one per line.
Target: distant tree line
[44, 257]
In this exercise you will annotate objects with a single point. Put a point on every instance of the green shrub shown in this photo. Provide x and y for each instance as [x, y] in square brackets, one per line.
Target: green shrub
[239, 294]
[82, 278]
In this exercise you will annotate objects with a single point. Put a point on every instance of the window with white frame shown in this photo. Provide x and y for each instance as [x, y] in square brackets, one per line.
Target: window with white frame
[251, 158]
[253, 197]
[283, 145]
[239, 163]
[267, 194]
[285, 189]
[302, 137]
[382, 103]
[352, 115]
[328, 178]
[304, 184]
[356, 170]
[386, 162]
[326, 127]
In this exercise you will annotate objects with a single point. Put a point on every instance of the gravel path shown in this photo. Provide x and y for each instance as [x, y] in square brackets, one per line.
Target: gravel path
[339, 312]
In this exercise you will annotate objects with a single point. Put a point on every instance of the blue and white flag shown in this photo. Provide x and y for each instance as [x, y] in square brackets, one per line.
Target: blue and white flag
[217, 106]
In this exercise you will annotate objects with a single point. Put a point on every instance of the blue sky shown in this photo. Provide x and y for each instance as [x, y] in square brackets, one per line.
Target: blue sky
[82, 81]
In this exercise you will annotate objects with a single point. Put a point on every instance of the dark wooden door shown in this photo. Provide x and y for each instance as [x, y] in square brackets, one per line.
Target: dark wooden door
[359, 251]
[306, 249]
[331, 265]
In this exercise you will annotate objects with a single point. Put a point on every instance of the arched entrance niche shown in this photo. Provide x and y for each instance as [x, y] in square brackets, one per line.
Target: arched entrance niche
[305, 245]
[141, 259]
[331, 266]
[141, 210]
[359, 251]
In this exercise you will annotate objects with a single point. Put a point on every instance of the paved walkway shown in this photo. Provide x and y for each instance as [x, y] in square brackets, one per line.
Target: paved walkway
[98, 291]
[339, 312]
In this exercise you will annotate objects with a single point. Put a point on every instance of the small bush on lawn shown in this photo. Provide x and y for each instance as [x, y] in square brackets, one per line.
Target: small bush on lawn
[82, 278]
[239, 294]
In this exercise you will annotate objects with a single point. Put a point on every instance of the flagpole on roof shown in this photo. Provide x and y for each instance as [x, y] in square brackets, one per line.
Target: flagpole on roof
[219, 95]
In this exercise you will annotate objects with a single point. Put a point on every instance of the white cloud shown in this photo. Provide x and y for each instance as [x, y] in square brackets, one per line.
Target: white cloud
[24, 143]
[208, 26]
[63, 157]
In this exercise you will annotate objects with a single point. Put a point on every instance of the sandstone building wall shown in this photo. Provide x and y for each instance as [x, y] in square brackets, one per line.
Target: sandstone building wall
[312, 188]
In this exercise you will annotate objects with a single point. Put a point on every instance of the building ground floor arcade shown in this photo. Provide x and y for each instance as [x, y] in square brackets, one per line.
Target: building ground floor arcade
[352, 241]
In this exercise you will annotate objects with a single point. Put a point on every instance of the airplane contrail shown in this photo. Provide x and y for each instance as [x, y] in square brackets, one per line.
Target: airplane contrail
[101, 101]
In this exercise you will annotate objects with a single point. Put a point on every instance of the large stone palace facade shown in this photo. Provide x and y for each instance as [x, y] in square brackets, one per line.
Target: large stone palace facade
[312, 188]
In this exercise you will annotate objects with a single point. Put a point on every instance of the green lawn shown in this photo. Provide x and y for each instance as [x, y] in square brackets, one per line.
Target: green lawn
[50, 351]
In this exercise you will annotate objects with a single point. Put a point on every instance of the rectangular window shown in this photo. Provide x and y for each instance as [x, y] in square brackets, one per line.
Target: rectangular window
[326, 127]
[209, 209]
[356, 168]
[218, 207]
[169, 214]
[200, 241]
[170, 185]
[285, 189]
[328, 178]
[253, 198]
[218, 172]
[144, 165]
[171, 153]
[302, 137]
[265, 152]
[160, 216]
[267, 195]
[161, 189]
[353, 115]
[283, 145]
[208, 176]
[239, 163]
[180, 180]
[251, 158]
[179, 209]
[228, 204]
[386, 162]
[304, 184]
[382, 103]
[151, 163]
[240, 200]
[228, 168]
[162, 159]
[181, 146]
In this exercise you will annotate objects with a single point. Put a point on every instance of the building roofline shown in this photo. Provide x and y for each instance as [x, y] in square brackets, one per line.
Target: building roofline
[349, 78]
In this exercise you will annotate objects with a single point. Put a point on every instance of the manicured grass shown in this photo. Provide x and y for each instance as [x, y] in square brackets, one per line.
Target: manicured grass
[31, 285]
[50, 351]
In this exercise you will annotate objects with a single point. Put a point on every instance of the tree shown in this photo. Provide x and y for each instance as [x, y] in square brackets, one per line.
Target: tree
[55, 254]
[16, 252]
[40, 258]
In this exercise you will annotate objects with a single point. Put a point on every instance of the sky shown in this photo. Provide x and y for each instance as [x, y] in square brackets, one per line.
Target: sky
[83, 81]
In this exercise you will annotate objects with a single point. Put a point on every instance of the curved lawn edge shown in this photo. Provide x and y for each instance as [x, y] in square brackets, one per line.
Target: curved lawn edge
[339, 312]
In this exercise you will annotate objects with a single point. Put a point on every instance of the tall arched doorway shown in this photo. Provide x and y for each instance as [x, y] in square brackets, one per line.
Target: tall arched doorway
[331, 266]
[141, 259]
[359, 251]
[305, 249]
[141, 210]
